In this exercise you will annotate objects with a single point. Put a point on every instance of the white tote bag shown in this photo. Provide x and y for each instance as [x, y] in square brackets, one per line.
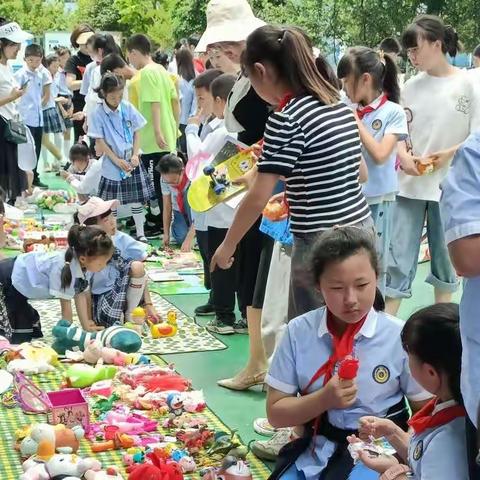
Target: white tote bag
[27, 157]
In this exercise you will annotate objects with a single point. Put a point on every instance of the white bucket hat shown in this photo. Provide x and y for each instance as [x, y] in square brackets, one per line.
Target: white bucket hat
[12, 31]
[228, 21]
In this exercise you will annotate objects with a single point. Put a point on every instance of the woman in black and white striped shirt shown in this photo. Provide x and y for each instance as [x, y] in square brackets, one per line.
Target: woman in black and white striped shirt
[312, 140]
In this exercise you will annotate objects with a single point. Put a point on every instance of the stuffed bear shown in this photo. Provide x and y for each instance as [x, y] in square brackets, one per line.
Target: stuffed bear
[68, 337]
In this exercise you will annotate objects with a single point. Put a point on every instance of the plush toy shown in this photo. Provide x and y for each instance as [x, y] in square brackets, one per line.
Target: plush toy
[159, 469]
[69, 337]
[111, 473]
[61, 466]
[29, 367]
[82, 376]
[65, 440]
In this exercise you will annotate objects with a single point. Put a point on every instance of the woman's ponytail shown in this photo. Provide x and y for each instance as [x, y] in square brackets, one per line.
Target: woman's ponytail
[290, 52]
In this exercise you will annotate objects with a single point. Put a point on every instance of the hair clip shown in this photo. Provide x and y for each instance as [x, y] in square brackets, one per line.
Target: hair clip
[67, 263]
[381, 54]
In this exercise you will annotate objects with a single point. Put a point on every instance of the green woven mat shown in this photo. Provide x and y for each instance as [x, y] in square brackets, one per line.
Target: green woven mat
[190, 337]
[191, 285]
[13, 419]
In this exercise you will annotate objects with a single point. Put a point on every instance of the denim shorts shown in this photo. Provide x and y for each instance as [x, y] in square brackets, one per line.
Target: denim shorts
[408, 221]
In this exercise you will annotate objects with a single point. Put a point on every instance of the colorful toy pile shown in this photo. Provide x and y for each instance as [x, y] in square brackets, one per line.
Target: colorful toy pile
[49, 199]
[146, 412]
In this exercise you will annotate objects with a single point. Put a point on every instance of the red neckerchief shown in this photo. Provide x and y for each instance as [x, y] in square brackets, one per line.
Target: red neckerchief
[423, 419]
[284, 101]
[361, 112]
[341, 348]
[180, 187]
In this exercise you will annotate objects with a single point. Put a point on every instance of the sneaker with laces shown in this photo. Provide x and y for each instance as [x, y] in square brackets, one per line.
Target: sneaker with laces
[268, 449]
[218, 326]
[240, 326]
[262, 427]
[205, 310]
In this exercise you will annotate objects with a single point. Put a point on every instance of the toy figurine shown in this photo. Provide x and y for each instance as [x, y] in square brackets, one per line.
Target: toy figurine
[175, 404]
[172, 317]
[162, 329]
[68, 337]
[121, 441]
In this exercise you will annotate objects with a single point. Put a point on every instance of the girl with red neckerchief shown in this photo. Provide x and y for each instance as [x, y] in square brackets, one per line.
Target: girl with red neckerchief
[308, 383]
[436, 446]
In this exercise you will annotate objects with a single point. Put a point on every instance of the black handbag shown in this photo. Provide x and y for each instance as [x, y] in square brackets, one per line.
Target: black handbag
[15, 131]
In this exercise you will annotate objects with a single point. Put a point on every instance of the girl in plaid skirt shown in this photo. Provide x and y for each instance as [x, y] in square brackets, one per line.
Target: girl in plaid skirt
[121, 286]
[115, 124]
[52, 120]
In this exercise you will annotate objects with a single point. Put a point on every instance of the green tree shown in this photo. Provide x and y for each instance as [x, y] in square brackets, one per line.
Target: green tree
[100, 14]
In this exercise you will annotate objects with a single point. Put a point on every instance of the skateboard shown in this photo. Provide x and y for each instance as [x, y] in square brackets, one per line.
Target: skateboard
[216, 184]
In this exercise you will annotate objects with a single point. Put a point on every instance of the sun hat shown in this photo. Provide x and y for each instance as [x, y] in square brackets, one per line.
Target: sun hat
[228, 21]
[12, 31]
[94, 208]
[83, 38]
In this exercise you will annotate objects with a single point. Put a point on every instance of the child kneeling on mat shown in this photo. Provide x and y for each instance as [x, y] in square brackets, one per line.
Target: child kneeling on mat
[41, 276]
[121, 286]
[304, 383]
[436, 448]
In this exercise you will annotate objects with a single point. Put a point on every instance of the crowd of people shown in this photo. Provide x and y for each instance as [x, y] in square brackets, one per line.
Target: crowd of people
[360, 160]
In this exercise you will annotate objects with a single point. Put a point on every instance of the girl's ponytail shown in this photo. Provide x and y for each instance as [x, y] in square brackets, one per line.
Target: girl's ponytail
[381, 68]
[390, 79]
[451, 41]
[290, 52]
[84, 241]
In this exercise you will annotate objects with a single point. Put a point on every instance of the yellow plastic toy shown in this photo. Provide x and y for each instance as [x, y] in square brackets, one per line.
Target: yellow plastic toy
[138, 316]
[172, 317]
[162, 330]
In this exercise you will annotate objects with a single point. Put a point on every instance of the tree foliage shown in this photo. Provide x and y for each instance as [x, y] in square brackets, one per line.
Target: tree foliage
[328, 22]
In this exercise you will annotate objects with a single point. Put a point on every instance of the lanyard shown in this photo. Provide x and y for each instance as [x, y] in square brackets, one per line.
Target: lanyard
[127, 134]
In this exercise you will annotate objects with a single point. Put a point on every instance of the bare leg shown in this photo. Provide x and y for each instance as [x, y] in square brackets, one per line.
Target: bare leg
[392, 305]
[254, 372]
[442, 297]
[51, 147]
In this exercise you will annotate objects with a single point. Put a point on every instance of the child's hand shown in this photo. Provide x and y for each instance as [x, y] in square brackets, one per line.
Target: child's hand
[124, 165]
[16, 93]
[152, 314]
[64, 174]
[408, 164]
[378, 463]
[162, 144]
[339, 393]
[135, 161]
[78, 116]
[440, 159]
[375, 427]
[186, 246]
[93, 327]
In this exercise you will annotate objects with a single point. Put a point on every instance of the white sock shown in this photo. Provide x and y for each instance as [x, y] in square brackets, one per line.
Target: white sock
[66, 148]
[44, 154]
[135, 290]
[138, 215]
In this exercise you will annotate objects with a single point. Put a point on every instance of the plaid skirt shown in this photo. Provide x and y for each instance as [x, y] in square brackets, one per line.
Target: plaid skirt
[53, 121]
[110, 307]
[137, 188]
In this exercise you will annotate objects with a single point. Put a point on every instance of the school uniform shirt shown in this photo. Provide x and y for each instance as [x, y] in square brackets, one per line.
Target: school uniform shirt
[30, 103]
[87, 78]
[441, 113]
[129, 249]
[116, 128]
[208, 143]
[317, 148]
[37, 276]
[7, 84]
[440, 453]
[188, 102]
[87, 184]
[61, 80]
[53, 94]
[383, 377]
[460, 211]
[389, 119]
[169, 190]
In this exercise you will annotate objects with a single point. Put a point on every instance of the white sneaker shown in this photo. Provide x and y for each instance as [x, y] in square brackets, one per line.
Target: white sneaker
[268, 449]
[262, 427]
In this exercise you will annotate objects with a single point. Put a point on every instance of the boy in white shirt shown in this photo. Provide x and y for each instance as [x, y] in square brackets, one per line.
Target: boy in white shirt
[217, 220]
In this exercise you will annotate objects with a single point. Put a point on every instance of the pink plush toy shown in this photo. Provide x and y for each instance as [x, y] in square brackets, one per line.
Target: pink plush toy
[95, 352]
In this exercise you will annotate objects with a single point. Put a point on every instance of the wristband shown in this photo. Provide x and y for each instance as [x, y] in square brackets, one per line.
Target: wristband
[393, 472]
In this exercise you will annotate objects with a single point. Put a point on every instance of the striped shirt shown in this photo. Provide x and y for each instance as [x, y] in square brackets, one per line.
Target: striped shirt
[317, 148]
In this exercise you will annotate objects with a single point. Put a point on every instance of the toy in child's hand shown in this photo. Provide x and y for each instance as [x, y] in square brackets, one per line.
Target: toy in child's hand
[61, 466]
[275, 211]
[425, 167]
[63, 439]
[355, 446]
[69, 337]
[82, 376]
[348, 368]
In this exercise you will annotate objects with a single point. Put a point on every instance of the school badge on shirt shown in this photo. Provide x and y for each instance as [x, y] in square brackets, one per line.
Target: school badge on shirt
[381, 374]
[377, 124]
[418, 452]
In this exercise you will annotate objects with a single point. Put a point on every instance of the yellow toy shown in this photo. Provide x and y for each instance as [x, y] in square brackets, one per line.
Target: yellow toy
[162, 330]
[137, 320]
[172, 317]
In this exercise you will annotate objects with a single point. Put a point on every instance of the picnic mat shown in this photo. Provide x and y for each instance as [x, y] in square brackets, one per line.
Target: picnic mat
[190, 337]
[14, 418]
